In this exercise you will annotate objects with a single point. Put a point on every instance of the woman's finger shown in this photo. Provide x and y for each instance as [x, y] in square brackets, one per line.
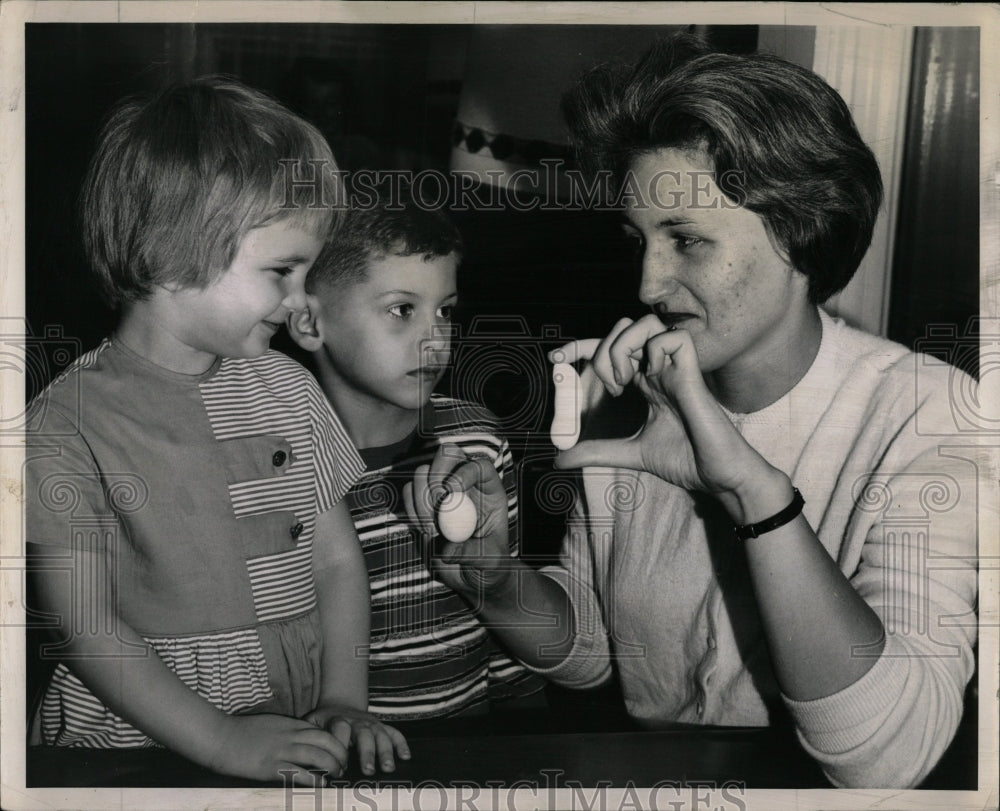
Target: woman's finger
[624, 453]
[672, 349]
[601, 362]
[575, 350]
[628, 349]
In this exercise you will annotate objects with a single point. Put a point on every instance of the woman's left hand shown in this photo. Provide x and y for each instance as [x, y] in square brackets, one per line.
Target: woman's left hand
[687, 439]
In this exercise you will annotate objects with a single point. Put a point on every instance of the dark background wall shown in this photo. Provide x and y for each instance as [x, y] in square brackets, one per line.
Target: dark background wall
[934, 281]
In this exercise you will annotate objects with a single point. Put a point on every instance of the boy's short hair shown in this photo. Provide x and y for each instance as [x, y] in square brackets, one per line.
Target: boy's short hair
[388, 219]
[181, 176]
[781, 134]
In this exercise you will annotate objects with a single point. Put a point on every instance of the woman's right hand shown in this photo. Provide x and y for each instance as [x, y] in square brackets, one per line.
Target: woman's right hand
[274, 748]
[687, 439]
[595, 393]
[482, 564]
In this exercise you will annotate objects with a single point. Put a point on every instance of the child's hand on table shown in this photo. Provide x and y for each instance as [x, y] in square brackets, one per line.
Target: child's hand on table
[481, 562]
[374, 740]
[261, 747]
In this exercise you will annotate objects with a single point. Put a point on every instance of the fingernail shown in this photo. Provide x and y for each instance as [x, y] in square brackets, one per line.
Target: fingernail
[388, 766]
[368, 768]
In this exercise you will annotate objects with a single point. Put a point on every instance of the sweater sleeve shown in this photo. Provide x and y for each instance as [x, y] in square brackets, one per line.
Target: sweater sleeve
[917, 570]
[507, 677]
[588, 663]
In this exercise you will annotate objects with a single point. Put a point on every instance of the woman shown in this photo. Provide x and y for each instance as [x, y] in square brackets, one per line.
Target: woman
[788, 533]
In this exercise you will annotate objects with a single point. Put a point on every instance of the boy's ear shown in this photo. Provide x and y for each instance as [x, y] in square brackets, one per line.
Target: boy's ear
[304, 326]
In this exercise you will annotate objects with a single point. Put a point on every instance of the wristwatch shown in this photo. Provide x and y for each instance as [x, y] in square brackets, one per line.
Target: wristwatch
[746, 531]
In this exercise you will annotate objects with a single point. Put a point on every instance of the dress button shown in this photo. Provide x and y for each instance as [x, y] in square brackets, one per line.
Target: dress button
[296, 530]
[279, 458]
[711, 643]
[701, 708]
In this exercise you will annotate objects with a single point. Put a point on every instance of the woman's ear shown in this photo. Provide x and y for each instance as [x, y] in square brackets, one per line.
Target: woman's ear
[304, 326]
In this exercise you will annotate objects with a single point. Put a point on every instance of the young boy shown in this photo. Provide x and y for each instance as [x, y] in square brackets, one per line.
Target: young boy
[378, 323]
[184, 484]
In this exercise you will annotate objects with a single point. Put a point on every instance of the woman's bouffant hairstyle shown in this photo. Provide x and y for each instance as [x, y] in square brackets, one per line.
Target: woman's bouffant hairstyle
[789, 137]
[383, 219]
[180, 177]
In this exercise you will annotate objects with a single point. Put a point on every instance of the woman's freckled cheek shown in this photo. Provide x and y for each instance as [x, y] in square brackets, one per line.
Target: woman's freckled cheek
[740, 291]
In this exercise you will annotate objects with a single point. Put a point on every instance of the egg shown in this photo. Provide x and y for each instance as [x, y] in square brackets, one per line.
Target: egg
[457, 517]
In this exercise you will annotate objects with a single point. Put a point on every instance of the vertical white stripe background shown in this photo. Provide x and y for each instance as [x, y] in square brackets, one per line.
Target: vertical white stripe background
[870, 67]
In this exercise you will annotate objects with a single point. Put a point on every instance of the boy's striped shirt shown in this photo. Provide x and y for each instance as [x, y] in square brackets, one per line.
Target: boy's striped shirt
[430, 656]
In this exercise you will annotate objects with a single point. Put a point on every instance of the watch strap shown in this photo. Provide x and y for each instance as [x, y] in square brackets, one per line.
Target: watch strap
[747, 531]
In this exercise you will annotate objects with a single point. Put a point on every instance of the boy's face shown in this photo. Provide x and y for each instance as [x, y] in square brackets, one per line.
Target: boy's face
[387, 337]
[239, 313]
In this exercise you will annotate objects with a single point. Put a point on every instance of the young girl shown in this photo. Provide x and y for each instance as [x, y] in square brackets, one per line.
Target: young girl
[187, 481]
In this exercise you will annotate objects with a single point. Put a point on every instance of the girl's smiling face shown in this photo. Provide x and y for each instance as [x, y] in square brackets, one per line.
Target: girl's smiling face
[238, 313]
[711, 268]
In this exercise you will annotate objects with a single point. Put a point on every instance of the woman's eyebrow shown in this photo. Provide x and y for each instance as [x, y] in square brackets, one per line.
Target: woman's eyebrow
[290, 260]
[666, 222]
[624, 220]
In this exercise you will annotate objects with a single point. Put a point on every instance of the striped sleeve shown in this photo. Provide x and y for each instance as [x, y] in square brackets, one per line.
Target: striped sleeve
[338, 463]
[506, 471]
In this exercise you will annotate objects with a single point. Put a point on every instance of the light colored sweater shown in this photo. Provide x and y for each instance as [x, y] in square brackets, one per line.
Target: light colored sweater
[658, 582]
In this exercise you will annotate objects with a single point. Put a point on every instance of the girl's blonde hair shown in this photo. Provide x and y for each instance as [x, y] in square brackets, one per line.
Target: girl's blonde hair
[179, 178]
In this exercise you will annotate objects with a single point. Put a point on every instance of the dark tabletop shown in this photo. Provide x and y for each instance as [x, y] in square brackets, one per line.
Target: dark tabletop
[511, 751]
